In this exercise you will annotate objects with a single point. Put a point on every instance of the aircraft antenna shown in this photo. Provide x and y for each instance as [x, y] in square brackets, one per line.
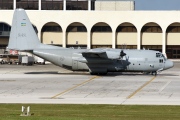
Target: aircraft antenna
[124, 46]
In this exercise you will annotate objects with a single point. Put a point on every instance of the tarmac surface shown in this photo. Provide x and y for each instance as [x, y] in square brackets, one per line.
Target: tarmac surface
[51, 84]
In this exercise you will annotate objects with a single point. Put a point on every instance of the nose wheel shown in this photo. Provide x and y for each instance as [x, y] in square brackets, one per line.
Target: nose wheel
[154, 73]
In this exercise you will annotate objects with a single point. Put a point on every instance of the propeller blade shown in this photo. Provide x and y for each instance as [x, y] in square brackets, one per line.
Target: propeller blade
[122, 53]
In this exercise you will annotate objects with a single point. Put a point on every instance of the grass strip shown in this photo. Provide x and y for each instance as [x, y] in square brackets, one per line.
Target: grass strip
[90, 112]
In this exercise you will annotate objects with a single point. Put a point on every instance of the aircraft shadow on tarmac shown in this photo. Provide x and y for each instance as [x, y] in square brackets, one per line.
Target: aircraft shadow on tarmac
[77, 73]
[109, 74]
[59, 73]
[47, 72]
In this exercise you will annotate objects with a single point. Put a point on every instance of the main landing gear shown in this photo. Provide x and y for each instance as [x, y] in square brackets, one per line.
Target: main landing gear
[152, 73]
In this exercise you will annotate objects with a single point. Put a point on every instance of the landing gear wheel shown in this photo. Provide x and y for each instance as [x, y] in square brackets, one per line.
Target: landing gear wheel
[146, 73]
[154, 73]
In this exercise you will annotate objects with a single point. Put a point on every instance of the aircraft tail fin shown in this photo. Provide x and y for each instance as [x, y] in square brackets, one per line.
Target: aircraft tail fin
[22, 36]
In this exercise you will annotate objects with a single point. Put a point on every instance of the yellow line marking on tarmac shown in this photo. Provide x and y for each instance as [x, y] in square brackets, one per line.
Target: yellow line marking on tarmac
[75, 87]
[139, 89]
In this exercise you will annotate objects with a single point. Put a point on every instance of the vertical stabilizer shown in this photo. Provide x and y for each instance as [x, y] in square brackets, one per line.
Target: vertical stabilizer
[22, 35]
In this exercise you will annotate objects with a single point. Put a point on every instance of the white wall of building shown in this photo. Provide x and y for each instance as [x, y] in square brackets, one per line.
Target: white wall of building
[112, 18]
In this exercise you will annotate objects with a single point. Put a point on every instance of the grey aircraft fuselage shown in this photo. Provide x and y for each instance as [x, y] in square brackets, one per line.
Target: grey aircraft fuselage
[100, 63]
[96, 61]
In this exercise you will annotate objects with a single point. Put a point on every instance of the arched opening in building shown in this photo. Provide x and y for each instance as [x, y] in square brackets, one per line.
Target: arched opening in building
[76, 36]
[101, 35]
[4, 36]
[173, 40]
[151, 37]
[51, 33]
[126, 36]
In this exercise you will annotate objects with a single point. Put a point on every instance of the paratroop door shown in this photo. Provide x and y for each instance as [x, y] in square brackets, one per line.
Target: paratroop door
[74, 65]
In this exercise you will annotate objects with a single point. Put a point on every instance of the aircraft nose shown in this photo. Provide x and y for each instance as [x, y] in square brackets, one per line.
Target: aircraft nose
[169, 64]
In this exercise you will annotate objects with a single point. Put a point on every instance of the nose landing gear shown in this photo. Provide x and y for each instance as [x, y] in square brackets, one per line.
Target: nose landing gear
[154, 73]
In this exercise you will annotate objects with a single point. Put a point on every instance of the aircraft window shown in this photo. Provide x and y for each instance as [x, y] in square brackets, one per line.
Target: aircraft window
[158, 54]
[160, 60]
[163, 56]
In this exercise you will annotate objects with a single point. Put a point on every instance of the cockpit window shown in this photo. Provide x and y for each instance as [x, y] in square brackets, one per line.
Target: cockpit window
[158, 54]
[160, 60]
[163, 56]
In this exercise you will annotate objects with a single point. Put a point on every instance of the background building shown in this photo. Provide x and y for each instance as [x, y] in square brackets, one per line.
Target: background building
[97, 23]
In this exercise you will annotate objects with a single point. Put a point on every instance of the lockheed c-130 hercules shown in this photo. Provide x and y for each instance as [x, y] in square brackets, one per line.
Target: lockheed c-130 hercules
[96, 61]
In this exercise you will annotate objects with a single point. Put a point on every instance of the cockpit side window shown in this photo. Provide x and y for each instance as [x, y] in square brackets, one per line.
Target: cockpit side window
[160, 60]
[158, 54]
[163, 56]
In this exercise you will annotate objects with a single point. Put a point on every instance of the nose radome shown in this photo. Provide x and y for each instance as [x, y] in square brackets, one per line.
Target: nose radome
[169, 64]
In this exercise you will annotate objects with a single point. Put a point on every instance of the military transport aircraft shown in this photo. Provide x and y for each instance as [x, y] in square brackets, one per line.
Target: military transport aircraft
[96, 61]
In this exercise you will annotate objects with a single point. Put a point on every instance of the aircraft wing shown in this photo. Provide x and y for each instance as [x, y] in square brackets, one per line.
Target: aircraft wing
[98, 55]
[95, 51]
[98, 52]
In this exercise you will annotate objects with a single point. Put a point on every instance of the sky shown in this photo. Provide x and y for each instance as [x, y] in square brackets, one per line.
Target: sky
[157, 4]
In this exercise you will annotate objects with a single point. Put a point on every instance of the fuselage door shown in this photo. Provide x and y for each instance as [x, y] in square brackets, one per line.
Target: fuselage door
[161, 63]
[74, 65]
[137, 64]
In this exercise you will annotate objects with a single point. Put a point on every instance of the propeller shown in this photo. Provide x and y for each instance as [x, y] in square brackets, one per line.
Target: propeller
[122, 53]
